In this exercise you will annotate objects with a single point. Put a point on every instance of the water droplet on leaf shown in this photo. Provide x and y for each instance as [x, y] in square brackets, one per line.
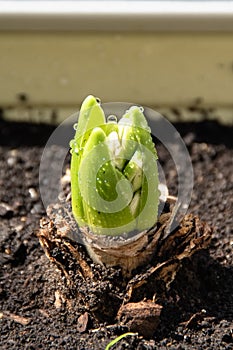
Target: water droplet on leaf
[72, 143]
[75, 126]
[112, 119]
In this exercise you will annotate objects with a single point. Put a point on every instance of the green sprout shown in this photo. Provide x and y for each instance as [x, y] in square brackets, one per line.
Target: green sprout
[116, 340]
[114, 176]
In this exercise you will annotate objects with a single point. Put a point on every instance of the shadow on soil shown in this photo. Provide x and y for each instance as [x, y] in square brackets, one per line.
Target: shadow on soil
[202, 284]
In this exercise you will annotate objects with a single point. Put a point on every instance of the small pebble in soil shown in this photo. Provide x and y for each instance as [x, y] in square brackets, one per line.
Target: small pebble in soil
[5, 210]
[33, 193]
[12, 157]
[19, 228]
[11, 161]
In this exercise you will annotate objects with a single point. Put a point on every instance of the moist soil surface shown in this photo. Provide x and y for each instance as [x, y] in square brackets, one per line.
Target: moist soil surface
[198, 309]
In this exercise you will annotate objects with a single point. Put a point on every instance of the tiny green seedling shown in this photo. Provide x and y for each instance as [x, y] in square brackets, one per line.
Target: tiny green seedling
[116, 340]
[114, 176]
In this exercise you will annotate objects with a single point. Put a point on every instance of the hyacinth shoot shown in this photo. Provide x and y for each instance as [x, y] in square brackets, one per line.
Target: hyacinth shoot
[114, 176]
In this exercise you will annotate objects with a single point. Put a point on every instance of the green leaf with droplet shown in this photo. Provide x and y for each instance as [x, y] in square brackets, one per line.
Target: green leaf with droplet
[114, 176]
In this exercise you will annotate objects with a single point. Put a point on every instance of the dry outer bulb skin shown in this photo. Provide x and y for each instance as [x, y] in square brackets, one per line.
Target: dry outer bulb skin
[163, 249]
[138, 288]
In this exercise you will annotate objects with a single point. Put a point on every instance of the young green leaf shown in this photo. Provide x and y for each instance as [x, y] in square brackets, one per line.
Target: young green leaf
[114, 176]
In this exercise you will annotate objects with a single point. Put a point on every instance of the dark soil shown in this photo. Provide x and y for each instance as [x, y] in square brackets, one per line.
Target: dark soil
[198, 310]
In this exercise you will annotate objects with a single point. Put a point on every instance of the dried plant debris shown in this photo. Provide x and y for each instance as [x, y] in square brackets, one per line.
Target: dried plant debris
[141, 317]
[16, 318]
[133, 301]
[82, 322]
